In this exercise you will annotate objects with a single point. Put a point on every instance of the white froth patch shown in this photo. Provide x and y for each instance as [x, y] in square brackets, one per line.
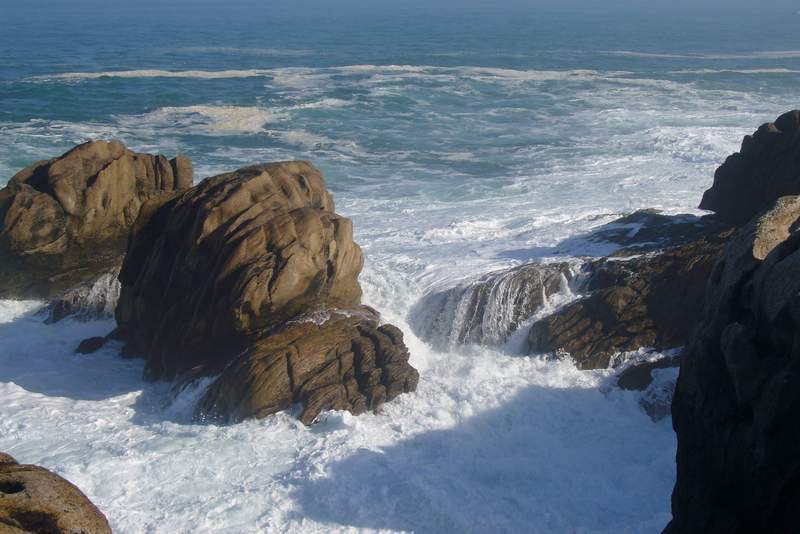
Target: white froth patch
[210, 119]
[489, 441]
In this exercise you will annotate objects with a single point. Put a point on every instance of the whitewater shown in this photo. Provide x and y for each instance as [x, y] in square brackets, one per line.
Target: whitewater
[453, 158]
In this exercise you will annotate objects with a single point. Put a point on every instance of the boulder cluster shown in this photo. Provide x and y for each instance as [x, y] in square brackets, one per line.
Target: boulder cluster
[262, 276]
[249, 277]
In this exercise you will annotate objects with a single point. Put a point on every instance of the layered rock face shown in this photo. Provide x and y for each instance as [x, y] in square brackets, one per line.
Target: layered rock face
[490, 309]
[66, 221]
[225, 277]
[32, 499]
[331, 360]
[767, 167]
[737, 400]
[651, 300]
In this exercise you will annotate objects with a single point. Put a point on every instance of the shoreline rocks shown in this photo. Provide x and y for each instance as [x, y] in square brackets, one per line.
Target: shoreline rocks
[66, 221]
[252, 276]
[33, 499]
[766, 168]
[652, 300]
[737, 399]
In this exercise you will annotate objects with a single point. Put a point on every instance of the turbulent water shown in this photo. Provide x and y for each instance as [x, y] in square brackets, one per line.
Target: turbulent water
[458, 144]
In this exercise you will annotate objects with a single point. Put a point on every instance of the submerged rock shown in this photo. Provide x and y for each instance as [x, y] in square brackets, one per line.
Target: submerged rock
[766, 168]
[216, 279]
[66, 221]
[32, 499]
[737, 400]
[490, 309]
[651, 300]
[96, 299]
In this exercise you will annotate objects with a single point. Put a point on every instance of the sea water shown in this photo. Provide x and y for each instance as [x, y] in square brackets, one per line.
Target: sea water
[459, 142]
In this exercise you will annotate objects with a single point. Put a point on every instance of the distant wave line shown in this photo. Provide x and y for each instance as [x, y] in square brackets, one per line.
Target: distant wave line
[768, 54]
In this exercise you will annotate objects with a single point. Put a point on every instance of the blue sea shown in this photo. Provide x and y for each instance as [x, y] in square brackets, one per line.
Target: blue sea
[459, 141]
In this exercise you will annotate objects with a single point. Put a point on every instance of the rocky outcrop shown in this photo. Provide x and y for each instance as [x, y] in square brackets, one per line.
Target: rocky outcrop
[737, 399]
[650, 230]
[766, 167]
[490, 309]
[651, 300]
[32, 499]
[222, 279]
[66, 221]
[331, 360]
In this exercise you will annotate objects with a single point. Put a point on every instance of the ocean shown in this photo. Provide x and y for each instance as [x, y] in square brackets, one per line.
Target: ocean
[459, 143]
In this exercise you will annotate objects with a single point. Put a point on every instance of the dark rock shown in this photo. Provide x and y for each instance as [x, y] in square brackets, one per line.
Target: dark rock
[652, 300]
[32, 499]
[66, 221]
[488, 310]
[225, 278]
[650, 230]
[766, 168]
[737, 401]
[90, 345]
[96, 299]
[639, 376]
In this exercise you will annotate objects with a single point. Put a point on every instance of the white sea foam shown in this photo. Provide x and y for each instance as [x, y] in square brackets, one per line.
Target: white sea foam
[209, 119]
[429, 458]
[764, 54]
[776, 70]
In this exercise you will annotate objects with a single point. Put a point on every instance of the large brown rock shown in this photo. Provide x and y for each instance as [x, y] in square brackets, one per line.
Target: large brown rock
[65, 221]
[32, 499]
[330, 360]
[737, 401]
[224, 276]
[767, 167]
[646, 301]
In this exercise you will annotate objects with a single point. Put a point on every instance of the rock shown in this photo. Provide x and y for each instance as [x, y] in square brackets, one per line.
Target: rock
[345, 362]
[650, 300]
[90, 345]
[650, 230]
[737, 400]
[66, 221]
[639, 376]
[488, 310]
[219, 278]
[96, 299]
[32, 499]
[766, 168]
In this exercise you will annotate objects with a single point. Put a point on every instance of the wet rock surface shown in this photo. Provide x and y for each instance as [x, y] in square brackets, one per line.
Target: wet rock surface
[737, 398]
[32, 499]
[490, 309]
[66, 221]
[223, 278]
[766, 168]
[649, 300]
[96, 299]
